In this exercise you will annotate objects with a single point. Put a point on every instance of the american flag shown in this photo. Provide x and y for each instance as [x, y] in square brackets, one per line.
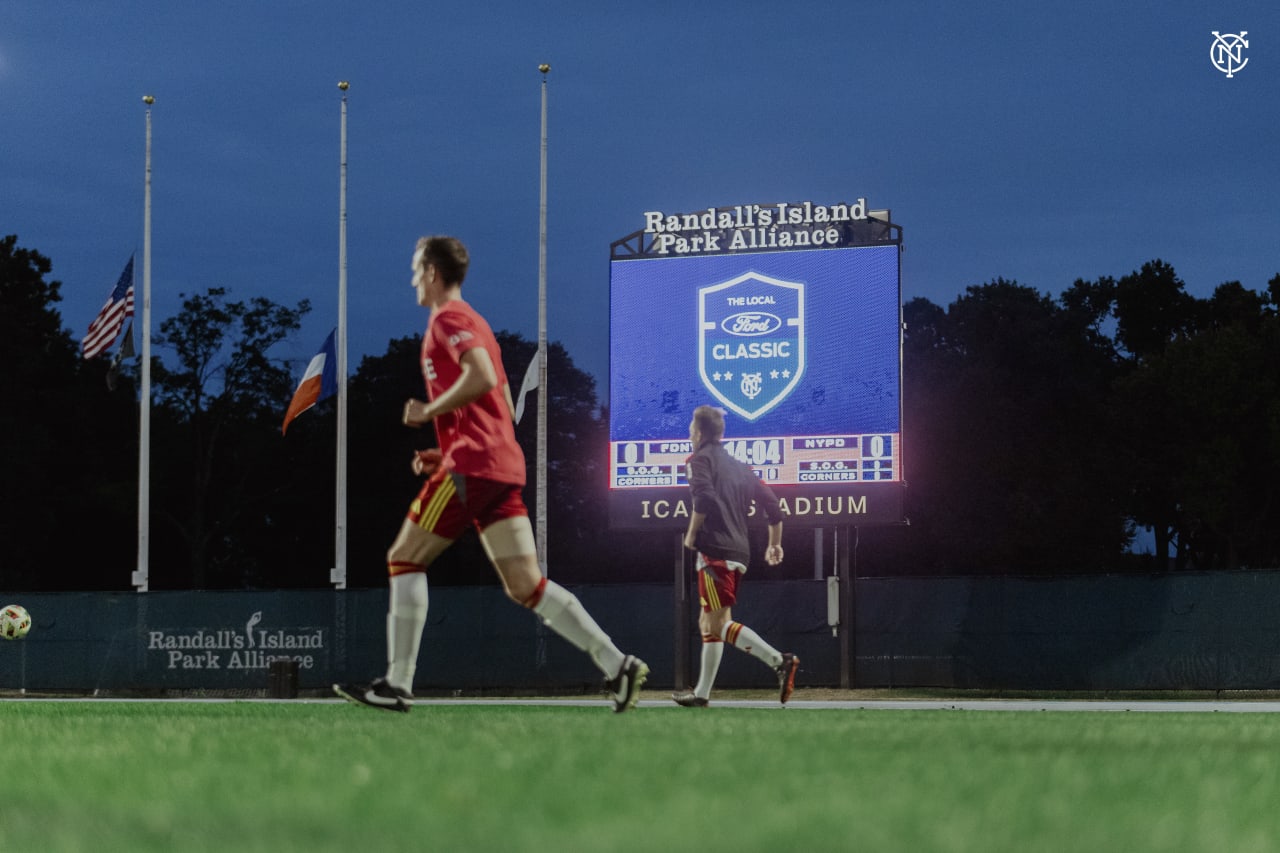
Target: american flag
[105, 328]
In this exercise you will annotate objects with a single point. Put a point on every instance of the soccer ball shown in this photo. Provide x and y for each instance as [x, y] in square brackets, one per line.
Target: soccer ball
[15, 622]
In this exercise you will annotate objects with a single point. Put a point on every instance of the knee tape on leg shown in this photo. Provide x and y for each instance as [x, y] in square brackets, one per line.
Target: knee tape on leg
[554, 600]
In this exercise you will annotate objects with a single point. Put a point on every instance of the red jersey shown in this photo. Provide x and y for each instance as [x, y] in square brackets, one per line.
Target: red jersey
[478, 439]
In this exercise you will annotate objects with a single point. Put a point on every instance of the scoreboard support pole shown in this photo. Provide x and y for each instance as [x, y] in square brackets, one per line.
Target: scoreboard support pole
[846, 567]
[681, 618]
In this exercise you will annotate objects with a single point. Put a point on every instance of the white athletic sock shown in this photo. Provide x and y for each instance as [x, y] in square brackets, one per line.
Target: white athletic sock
[561, 611]
[712, 651]
[742, 637]
[406, 618]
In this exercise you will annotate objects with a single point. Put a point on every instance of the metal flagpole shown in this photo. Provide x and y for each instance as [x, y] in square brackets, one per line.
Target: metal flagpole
[141, 576]
[338, 576]
[542, 340]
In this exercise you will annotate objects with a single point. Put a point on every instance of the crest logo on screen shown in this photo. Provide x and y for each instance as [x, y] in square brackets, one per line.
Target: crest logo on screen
[751, 341]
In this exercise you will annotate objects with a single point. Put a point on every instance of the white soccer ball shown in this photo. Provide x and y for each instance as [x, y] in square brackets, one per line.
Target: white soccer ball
[15, 622]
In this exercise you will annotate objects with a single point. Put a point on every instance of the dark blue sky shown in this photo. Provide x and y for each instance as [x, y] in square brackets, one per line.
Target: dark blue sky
[1037, 142]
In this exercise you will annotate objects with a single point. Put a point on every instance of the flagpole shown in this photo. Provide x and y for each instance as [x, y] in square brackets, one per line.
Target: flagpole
[338, 577]
[141, 577]
[542, 340]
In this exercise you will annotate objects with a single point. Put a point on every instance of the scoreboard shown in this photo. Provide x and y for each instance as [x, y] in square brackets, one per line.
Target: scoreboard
[778, 460]
[788, 317]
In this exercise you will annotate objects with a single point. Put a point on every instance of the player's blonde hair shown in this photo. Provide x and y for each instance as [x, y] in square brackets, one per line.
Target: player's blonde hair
[710, 422]
[447, 255]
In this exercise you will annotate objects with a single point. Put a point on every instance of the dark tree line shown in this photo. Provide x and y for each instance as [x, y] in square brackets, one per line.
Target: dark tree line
[69, 446]
[1041, 435]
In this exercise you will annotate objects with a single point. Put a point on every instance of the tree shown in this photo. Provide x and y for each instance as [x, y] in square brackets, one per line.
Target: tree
[69, 452]
[1152, 308]
[1202, 430]
[218, 410]
[1004, 398]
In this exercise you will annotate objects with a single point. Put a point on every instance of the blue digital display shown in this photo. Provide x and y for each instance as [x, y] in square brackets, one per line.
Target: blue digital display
[821, 332]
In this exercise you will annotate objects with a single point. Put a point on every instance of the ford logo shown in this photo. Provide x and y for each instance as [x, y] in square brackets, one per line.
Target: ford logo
[750, 323]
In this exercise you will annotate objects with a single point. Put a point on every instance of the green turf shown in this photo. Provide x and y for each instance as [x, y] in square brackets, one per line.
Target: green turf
[245, 776]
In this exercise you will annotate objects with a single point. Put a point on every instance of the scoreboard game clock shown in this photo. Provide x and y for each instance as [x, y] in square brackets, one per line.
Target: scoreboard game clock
[788, 317]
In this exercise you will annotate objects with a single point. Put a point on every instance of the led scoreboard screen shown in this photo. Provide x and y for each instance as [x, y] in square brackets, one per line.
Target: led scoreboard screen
[788, 318]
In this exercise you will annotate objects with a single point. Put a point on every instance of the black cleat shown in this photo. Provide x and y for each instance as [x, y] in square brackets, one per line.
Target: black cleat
[689, 699]
[787, 676]
[376, 694]
[624, 688]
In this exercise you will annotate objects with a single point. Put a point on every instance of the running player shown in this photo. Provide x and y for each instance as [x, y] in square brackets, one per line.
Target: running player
[474, 479]
[723, 489]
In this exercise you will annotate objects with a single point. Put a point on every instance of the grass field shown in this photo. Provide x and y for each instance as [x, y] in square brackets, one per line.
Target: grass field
[248, 776]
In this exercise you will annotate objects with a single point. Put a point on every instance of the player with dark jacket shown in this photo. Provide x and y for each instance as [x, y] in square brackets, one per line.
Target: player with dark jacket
[723, 491]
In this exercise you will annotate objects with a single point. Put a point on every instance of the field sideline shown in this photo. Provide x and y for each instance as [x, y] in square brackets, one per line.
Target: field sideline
[567, 774]
[805, 700]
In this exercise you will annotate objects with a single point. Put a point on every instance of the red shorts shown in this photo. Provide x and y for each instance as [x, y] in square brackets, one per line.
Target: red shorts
[450, 501]
[717, 584]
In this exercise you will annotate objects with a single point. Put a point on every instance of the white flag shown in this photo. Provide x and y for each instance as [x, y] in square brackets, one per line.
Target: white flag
[530, 382]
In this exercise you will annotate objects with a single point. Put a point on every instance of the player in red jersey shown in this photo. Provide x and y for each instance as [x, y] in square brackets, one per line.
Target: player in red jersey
[474, 479]
[723, 489]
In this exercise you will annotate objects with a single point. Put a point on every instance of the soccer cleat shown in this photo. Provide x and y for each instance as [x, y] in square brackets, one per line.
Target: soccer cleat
[624, 688]
[376, 694]
[787, 676]
[689, 699]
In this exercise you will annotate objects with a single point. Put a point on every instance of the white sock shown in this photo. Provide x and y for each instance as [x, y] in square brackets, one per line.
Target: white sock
[406, 618]
[742, 637]
[712, 651]
[561, 611]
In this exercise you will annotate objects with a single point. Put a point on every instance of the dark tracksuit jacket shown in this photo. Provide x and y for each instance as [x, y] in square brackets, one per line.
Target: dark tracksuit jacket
[723, 489]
